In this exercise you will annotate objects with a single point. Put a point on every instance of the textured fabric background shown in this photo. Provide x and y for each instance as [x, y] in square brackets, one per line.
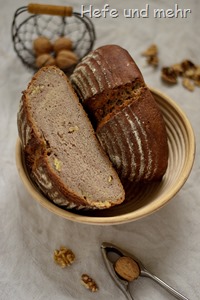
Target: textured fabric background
[168, 241]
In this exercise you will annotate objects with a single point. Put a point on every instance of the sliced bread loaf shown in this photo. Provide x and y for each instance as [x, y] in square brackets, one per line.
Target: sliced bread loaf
[62, 153]
[126, 118]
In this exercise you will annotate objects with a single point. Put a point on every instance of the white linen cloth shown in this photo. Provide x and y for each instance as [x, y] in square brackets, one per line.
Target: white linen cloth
[168, 241]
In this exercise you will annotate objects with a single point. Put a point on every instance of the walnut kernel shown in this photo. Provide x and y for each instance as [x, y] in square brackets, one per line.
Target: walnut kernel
[169, 75]
[151, 51]
[110, 178]
[153, 60]
[152, 55]
[177, 69]
[57, 164]
[89, 283]
[64, 257]
[187, 83]
[197, 82]
[187, 64]
[197, 74]
[189, 72]
[73, 129]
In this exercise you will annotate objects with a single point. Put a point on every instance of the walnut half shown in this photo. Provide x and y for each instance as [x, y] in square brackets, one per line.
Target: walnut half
[187, 83]
[189, 72]
[64, 257]
[152, 55]
[89, 283]
[169, 75]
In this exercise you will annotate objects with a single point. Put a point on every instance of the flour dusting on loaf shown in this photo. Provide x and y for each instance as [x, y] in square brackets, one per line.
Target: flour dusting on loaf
[62, 154]
[127, 120]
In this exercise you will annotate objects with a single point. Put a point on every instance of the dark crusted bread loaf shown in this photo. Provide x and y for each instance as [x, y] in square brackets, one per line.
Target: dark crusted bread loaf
[126, 118]
[61, 150]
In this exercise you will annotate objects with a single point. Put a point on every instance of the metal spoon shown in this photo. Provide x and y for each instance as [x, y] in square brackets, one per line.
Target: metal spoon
[124, 284]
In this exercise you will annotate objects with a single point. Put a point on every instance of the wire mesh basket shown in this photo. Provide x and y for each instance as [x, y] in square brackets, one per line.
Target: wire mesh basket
[52, 22]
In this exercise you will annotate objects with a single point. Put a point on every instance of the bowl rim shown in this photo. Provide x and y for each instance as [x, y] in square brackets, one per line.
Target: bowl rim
[127, 217]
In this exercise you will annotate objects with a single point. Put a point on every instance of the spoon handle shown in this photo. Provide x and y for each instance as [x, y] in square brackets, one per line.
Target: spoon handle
[167, 287]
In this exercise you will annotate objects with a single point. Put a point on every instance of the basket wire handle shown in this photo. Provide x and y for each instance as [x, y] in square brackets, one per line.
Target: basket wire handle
[46, 9]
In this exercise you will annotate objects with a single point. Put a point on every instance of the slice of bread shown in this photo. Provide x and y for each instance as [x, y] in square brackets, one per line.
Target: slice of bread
[62, 153]
[124, 113]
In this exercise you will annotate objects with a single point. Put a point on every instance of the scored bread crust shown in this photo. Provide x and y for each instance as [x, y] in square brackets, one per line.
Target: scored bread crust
[127, 120]
[37, 151]
[140, 154]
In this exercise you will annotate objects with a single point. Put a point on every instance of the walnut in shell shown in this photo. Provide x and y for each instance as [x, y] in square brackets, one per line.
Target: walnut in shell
[62, 43]
[45, 60]
[42, 45]
[66, 59]
[127, 268]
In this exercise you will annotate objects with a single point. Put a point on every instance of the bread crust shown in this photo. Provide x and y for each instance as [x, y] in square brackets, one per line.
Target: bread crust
[36, 151]
[127, 120]
[138, 137]
[104, 69]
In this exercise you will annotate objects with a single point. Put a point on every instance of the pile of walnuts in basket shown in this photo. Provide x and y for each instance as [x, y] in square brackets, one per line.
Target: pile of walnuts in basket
[59, 53]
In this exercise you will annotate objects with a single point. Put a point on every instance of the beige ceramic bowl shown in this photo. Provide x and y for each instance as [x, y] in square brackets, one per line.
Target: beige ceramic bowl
[140, 201]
